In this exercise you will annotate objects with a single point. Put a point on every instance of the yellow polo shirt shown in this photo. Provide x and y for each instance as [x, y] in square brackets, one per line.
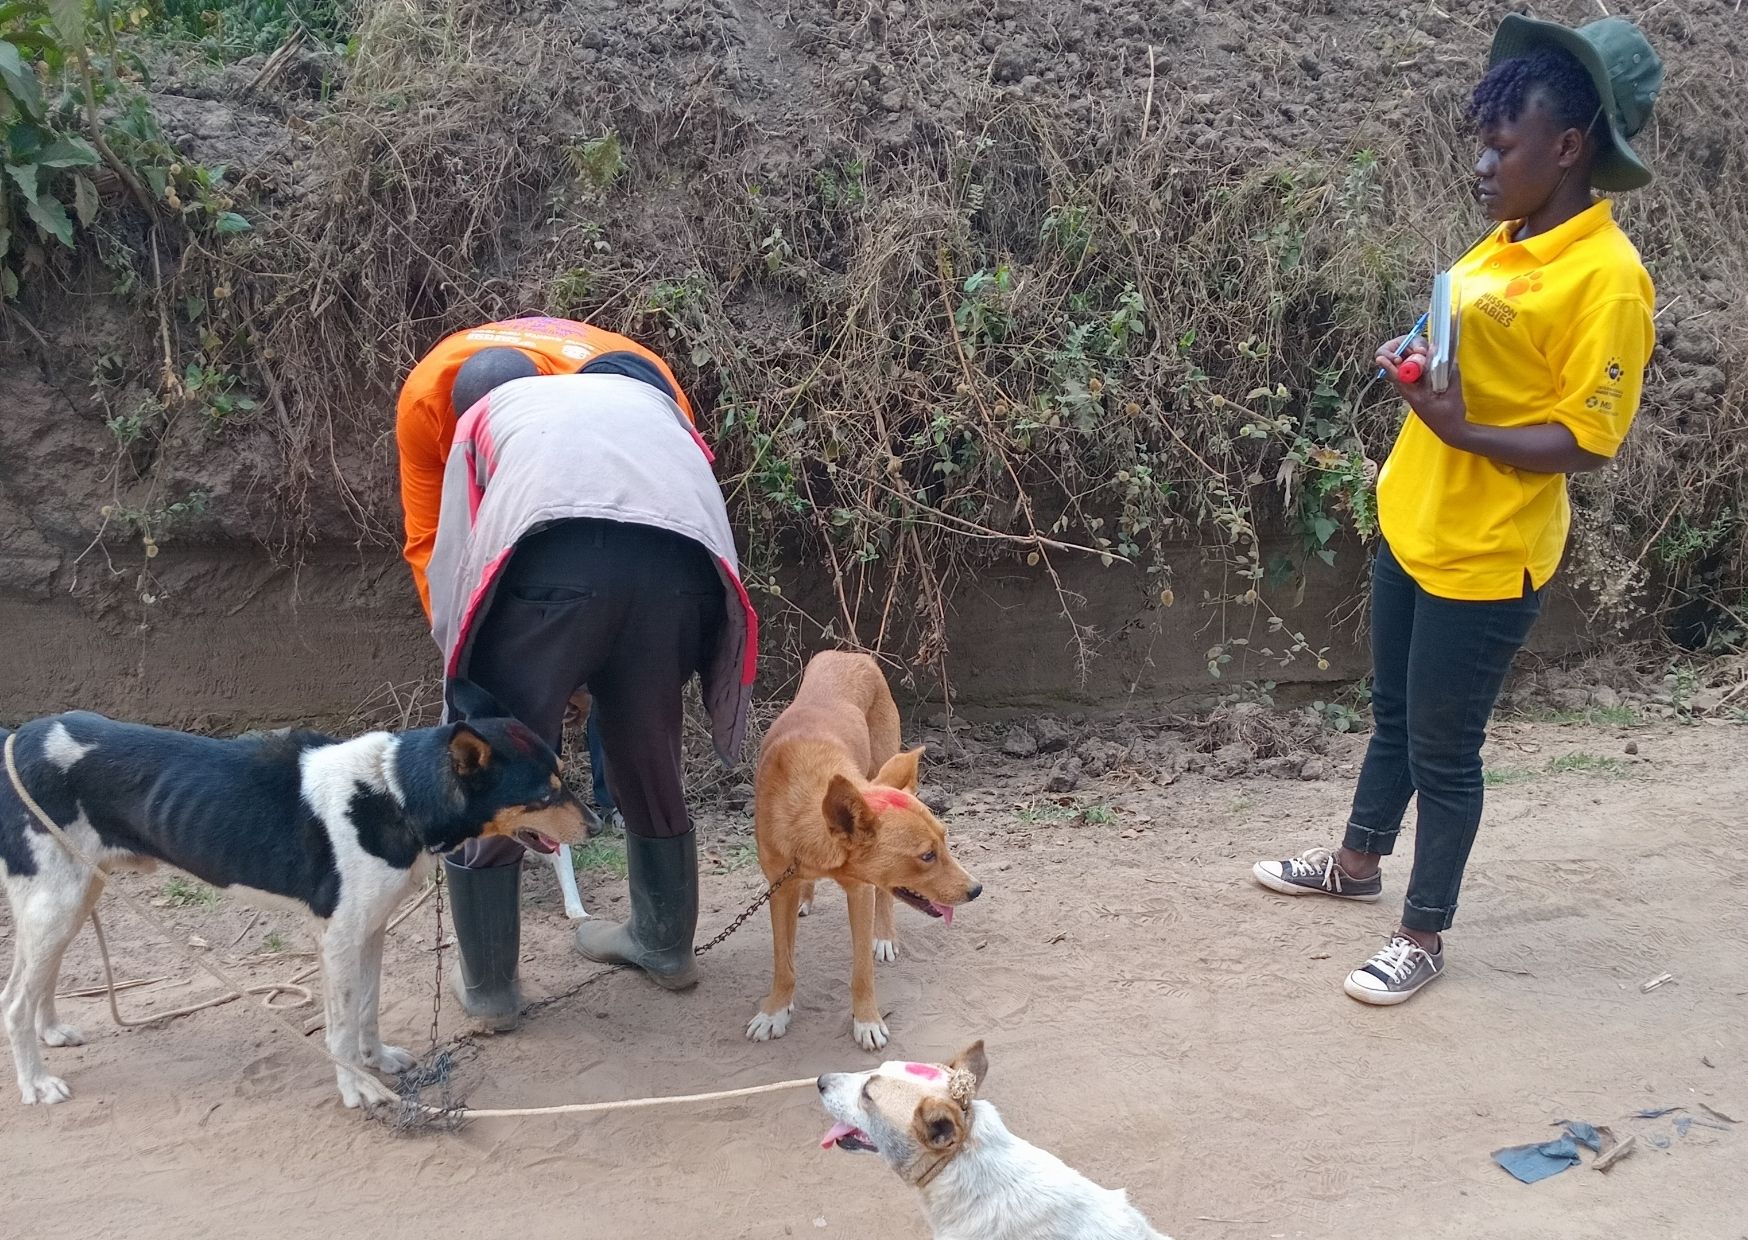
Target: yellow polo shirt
[1555, 328]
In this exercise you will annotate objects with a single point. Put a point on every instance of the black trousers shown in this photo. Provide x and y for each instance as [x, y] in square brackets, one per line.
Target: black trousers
[1437, 667]
[632, 612]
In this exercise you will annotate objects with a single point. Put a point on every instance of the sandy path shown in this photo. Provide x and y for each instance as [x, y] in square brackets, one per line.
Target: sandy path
[1150, 1016]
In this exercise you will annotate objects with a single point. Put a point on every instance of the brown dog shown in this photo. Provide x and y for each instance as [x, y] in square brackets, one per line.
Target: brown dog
[834, 798]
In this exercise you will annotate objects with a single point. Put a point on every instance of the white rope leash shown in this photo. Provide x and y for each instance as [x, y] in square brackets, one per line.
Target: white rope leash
[272, 989]
[626, 1104]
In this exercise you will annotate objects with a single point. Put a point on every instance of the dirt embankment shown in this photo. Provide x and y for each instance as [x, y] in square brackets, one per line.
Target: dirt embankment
[946, 277]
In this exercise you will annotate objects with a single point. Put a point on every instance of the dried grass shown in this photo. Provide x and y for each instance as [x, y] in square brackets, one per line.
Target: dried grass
[882, 418]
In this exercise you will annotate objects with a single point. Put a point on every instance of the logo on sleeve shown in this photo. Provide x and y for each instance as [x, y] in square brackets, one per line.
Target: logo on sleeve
[1614, 370]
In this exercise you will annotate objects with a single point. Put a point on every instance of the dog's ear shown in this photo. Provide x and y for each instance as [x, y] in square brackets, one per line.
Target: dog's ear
[469, 752]
[900, 771]
[939, 1124]
[972, 1060]
[468, 701]
[845, 810]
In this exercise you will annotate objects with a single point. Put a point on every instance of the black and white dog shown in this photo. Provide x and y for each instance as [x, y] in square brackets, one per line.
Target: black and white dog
[343, 831]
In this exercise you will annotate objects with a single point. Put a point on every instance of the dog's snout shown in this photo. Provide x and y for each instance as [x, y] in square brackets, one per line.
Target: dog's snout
[975, 891]
[821, 1082]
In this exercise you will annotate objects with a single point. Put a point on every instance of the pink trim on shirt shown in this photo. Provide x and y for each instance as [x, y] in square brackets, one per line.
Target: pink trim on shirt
[471, 611]
[475, 430]
[750, 663]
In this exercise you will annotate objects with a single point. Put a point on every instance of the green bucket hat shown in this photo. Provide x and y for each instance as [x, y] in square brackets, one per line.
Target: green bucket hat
[1627, 74]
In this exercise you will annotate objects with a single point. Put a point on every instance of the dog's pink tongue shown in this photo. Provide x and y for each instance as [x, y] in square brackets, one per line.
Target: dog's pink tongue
[838, 1131]
[946, 914]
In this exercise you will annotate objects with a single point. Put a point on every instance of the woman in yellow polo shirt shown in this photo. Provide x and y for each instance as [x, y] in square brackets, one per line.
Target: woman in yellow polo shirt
[1555, 335]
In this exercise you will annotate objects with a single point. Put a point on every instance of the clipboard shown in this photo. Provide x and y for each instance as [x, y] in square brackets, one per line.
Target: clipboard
[1444, 323]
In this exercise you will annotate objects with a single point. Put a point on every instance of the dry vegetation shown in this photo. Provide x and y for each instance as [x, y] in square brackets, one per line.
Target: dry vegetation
[1037, 327]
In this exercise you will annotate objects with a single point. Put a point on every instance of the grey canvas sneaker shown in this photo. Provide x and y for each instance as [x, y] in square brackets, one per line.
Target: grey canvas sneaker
[1315, 873]
[1392, 976]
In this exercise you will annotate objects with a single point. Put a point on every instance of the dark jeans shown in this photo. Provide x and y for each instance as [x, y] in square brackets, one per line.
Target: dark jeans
[630, 611]
[598, 766]
[1437, 667]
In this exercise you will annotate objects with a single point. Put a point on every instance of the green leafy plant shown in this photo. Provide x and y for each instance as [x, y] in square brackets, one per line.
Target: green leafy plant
[68, 123]
[984, 317]
[225, 30]
[597, 162]
[842, 186]
[154, 524]
[216, 391]
[46, 162]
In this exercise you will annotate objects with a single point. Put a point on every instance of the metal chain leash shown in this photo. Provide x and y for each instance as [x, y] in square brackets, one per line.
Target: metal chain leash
[747, 912]
[538, 1005]
[437, 957]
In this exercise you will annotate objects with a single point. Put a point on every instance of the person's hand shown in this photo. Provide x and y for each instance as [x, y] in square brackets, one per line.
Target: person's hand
[1387, 351]
[1445, 413]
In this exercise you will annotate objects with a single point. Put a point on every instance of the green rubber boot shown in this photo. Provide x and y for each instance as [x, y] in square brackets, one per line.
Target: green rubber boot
[485, 907]
[664, 913]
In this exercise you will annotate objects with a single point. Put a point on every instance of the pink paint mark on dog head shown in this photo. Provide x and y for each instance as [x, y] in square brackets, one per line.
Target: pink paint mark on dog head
[927, 1071]
[887, 798]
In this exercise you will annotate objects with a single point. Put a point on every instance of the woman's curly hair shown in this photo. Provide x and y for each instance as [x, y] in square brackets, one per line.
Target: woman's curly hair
[1555, 72]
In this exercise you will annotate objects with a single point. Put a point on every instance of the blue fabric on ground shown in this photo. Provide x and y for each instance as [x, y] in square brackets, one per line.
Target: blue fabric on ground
[1533, 1163]
[1585, 1134]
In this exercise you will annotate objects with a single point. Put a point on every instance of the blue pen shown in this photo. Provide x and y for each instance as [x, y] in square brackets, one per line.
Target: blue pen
[1402, 349]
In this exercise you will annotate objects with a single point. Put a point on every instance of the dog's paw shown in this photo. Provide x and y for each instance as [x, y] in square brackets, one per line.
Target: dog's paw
[47, 1090]
[805, 907]
[766, 1026]
[870, 1035]
[61, 1035]
[386, 1058]
[358, 1089]
[885, 951]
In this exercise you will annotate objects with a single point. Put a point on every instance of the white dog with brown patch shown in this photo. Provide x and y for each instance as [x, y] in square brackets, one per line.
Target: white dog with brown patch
[978, 1180]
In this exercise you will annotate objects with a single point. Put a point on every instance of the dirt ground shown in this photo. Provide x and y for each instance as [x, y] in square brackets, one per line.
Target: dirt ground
[1151, 1017]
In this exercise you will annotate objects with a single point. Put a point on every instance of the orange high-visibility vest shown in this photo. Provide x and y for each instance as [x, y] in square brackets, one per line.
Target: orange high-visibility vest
[425, 423]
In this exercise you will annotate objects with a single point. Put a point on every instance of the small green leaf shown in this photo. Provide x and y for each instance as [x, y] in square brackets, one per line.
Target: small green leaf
[68, 153]
[68, 17]
[1327, 556]
[231, 222]
[8, 284]
[85, 200]
[24, 175]
[23, 141]
[1323, 528]
[20, 79]
[50, 216]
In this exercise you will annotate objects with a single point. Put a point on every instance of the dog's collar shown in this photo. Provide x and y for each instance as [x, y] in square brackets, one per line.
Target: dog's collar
[923, 1180]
